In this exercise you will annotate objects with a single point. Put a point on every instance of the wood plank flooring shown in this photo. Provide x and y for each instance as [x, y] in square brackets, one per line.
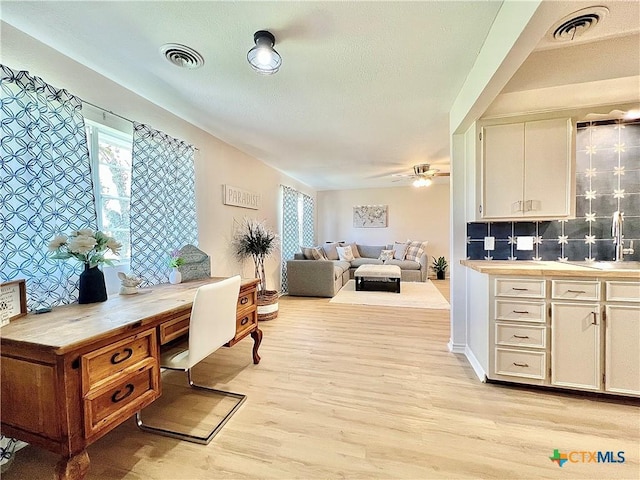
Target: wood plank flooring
[363, 392]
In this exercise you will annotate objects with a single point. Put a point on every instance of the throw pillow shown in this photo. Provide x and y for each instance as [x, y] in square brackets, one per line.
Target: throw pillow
[330, 250]
[415, 250]
[344, 253]
[313, 253]
[399, 250]
[354, 249]
[386, 255]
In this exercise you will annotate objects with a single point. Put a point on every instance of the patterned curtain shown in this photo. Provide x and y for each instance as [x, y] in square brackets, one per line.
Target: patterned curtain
[163, 203]
[45, 187]
[308, 221]
[290, 230]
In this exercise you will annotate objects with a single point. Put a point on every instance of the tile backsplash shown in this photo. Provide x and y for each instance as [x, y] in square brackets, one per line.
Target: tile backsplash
[607, 180]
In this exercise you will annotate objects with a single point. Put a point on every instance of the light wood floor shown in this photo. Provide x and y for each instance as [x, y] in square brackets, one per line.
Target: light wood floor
[367, 392]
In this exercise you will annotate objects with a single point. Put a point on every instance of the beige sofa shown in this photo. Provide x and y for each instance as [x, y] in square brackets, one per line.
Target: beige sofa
[324, 278]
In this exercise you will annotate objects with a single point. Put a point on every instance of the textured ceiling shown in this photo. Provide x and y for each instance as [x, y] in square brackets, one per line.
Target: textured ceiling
[364, 90]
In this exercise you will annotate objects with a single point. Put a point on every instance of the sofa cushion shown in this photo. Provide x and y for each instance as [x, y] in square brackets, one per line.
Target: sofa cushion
[370, 251]
[330, 250]
[399, 251]
[356, 262]
[313, 253]
[345, 253]
[404, 264]
[339, 267]
[354, 248]
[415, 250]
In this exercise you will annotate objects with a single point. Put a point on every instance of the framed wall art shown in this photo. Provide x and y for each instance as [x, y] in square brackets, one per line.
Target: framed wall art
[370, 216]
[13, 301]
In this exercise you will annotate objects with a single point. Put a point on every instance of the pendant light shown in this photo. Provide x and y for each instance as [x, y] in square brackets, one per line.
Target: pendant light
[263, 58]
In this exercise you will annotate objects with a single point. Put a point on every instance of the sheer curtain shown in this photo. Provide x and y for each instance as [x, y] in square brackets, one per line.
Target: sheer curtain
[45, 188]
[163, 204]
[298, 227]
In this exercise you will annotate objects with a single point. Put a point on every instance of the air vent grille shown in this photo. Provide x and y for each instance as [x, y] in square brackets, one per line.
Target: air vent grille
[577, 24]
[182, 56]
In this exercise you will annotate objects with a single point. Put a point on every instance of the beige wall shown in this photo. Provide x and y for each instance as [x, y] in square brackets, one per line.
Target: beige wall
[216, 164]
[414, 213]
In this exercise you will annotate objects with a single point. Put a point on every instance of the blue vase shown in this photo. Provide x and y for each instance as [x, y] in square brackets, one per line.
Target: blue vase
[92, 287]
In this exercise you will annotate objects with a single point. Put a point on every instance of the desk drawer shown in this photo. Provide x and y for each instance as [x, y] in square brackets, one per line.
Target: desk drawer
[246, 322]
[521, 335]
[246, 300]
[116, 401]
[101, 364]
[519, 287]
[176, 327]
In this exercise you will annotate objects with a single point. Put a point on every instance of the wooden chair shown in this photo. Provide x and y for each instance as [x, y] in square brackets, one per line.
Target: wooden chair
[212, 324]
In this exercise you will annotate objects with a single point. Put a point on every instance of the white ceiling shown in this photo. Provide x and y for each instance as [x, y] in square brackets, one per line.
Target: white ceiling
[364, 90]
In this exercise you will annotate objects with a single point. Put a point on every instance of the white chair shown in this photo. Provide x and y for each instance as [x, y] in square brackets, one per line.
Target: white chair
[212, 324]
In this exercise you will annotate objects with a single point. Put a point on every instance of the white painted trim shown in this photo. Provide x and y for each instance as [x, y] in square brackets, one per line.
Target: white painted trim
[475, 364]
[456, 347]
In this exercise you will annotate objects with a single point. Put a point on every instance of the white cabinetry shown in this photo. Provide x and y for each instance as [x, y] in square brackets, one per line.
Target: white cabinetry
[519, 331]
[527, 170]
[622, 338]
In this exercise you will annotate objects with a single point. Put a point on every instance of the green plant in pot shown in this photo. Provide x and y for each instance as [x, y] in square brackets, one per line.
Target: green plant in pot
[257, 241]
[440, 266]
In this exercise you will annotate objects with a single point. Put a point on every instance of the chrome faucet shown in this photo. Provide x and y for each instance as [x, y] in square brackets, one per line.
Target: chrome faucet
[618, 237]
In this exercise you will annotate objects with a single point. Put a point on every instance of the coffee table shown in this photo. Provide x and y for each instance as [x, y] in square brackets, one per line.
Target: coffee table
[378, 278]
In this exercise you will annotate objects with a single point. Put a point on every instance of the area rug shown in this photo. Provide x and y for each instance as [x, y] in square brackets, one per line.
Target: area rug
[412, 295]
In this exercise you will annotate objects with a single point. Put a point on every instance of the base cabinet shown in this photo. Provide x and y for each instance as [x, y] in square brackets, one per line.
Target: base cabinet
[566, 333]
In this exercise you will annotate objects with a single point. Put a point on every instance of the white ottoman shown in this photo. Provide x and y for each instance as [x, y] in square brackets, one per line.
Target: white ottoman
[378, 278]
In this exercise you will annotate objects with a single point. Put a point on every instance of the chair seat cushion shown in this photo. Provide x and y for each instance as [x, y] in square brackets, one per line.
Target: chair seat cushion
[176, 357]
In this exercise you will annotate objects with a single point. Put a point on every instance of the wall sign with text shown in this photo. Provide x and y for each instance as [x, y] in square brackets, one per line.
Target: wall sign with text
[13, 301]
[238, 197]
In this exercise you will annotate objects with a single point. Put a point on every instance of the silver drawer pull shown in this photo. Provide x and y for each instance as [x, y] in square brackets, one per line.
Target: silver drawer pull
[576, 291]
[526, 365]
[521, 336]
[520, 311]
[520, 289]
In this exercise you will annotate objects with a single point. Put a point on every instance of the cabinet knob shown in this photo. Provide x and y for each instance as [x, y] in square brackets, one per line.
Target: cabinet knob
[118, 396]
[594, 320]
[525, 365]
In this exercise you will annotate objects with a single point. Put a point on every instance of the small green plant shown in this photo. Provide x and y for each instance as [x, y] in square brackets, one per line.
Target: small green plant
[175, 260]
[440, 266]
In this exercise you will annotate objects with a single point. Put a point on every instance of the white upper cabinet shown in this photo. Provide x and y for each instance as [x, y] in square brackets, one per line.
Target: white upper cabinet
[527, 171]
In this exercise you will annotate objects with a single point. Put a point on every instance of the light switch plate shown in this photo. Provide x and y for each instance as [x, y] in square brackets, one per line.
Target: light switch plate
[489, 243]
[524, 243]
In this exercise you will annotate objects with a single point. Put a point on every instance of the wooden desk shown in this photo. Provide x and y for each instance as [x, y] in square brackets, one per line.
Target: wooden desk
[70, 376]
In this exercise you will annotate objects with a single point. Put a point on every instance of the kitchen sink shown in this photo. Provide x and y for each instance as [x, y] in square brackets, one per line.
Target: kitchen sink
[601, 265]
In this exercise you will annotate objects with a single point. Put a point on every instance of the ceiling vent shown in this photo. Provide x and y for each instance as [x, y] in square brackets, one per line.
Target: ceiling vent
[578, 23]
[182, 56]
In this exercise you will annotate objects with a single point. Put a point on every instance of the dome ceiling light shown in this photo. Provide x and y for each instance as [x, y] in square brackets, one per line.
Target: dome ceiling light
[263, 58]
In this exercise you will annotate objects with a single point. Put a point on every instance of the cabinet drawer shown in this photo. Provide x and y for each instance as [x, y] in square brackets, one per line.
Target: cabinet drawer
[516, 287]
[521, 335]
[623, 291]
[246, 300]
[101, 364]
[245, 323]
[116, 401]
[575, 290]
[174, 328]
[520, 311]
[521, 363]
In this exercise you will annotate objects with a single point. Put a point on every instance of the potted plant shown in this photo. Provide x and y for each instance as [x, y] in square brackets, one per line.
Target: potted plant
[254, 239]
[440, 266]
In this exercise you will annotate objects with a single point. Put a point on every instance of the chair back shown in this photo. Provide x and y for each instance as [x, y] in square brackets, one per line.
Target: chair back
[213, 318]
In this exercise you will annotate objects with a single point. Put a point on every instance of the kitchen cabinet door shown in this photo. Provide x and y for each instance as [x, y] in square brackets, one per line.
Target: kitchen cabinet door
[575, 345]
[622, 349]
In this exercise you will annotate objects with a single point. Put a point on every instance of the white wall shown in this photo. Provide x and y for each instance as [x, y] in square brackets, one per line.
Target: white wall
[414, 213]
[216, 163]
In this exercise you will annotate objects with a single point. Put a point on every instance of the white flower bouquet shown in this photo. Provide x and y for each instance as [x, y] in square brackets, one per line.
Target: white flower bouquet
[85, 245]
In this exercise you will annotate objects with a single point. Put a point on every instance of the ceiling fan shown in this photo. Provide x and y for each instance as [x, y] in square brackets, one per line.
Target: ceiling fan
[422, 175]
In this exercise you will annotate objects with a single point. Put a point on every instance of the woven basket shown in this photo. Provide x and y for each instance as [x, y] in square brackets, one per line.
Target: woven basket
[268, 305]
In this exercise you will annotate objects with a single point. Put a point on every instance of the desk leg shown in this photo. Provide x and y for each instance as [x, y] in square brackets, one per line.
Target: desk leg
[257, 339]
[73, 468]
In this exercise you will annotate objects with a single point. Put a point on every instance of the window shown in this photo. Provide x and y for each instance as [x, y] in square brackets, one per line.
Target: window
[110, 153]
